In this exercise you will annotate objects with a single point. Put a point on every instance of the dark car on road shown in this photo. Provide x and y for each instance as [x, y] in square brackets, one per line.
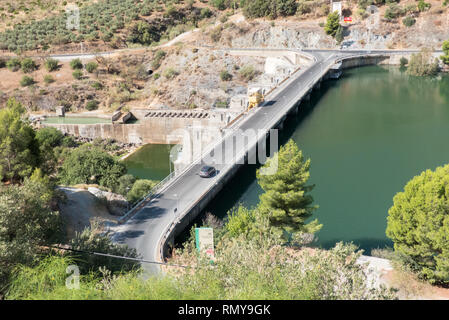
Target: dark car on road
[207, 172]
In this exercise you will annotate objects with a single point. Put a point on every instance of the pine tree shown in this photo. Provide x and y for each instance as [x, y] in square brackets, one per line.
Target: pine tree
[332, 23]
[286, 199]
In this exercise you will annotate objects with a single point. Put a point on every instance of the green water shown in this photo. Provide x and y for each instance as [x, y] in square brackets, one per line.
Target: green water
[367, 134]
[150, 162]
[75, 120]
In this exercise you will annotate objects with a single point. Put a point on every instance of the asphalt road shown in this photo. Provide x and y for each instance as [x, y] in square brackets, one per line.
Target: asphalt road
[146, 228]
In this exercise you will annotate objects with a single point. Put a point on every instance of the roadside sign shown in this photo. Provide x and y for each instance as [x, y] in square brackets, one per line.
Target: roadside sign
[347, 19]
[205, 241]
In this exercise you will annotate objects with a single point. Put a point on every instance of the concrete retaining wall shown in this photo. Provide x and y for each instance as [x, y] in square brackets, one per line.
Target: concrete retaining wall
[149, 130]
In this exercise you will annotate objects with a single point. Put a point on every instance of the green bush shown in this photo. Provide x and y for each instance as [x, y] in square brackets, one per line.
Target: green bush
[418, 225]
[170, 73]
[423, 6]
[423, 64]
[269, 8]
[76, 64]
[91, 165]
[13, 64]
[97, 85]
[26, 81]
[125, 184]
[28, 65]
[225, 75]
[77, 74]
[92, 105]
[51, 64]
[91, 67]
[403, 61]
[332, 23]
[445, 56]
[247, 72]
[408, 21]
[393, 11]
[140, 189]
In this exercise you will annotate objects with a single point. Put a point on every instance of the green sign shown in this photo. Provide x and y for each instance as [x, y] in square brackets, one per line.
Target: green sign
[205, 240]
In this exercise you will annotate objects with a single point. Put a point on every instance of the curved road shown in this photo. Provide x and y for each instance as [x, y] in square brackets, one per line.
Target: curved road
[146, 229]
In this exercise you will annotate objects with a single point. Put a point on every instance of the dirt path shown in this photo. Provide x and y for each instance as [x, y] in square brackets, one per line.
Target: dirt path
[81, 209]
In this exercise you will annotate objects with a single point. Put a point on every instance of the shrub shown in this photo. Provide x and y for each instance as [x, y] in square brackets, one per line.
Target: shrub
[247, 72]
[92, 105]
[170, 73]
[28, 65]
[48, 79]
[26, 81]
[51, 64]
[13, 64]
[77, 74]
[97, 85]
[422, 64]
[206, 13]
[445, 56]
[76, 64]
[332, 23]
[140, 189]
[408, 21]
[91, 67]
[91, 165]
[423, 6]
[393, 11]
[225, 75]
[417, 224]
[403, 61]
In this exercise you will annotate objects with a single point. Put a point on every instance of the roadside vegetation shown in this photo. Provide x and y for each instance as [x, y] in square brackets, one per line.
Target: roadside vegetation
[32, 163]
[261, 253]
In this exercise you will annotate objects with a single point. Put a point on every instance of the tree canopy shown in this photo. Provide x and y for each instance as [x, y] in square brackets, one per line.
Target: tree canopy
[19, 150]
[418, 223]
[286, 198]
[445, 56]
[91, 165]
[332, 23]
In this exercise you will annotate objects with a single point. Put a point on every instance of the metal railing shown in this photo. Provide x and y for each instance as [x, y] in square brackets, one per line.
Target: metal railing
[170, 178]
[270, 124]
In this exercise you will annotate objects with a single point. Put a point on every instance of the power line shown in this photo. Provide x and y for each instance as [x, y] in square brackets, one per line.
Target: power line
[120, 257]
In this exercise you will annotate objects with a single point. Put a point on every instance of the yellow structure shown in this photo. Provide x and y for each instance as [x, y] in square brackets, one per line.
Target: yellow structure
[255, 98]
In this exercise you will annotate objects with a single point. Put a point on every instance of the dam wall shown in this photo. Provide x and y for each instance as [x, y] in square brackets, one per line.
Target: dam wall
[148, 130]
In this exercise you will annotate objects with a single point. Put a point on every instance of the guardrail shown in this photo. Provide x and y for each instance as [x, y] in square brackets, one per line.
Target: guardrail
[170, 178]
[270, 124]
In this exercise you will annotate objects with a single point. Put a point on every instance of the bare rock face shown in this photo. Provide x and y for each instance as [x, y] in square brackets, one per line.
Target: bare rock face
[116, 203]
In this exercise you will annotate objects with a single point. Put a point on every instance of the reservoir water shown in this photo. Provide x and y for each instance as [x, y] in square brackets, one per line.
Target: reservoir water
[150, 162]
[76, 120]
[367, 135]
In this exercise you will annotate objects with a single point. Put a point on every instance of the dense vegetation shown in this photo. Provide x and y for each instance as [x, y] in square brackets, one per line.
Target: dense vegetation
[253, 260]
[418, 224]
[115, 22]
[445, 56]
[423, 64]
[32, 162]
